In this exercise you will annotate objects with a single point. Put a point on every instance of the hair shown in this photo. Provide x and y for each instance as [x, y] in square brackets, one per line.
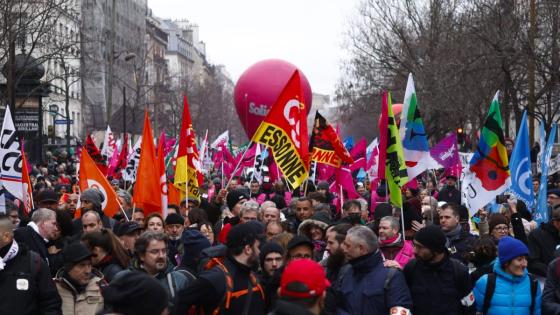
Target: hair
[267, 204]
[453, 207]
[94, 213]
[197, 215]
[138, 210]
[341, 230]
[249, 206]
[433, 201]
[275, 223]
[109, 243]
[350, 204]
[174, 206]
[303, 199]
[430, 214]
[317, 196]
[283, 239]
[392, 220]
[64, 222]
[484, 251]
[145, 238]
[152, 215]
[42, 215]
[365, 236]
[254, 181]
[6, 224]
[325, 207]
[555, 215]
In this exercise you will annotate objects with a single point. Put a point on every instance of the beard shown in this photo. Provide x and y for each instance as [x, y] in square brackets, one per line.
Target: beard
[336, 260]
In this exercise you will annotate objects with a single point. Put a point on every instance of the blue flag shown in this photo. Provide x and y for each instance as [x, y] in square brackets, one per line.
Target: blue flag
[520, 166]
[348, 143]
[542, 208]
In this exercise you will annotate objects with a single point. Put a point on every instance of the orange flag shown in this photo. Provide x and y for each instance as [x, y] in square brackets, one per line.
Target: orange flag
[27, 187]
[284, 131]
[91, 177]
[147, 192]
[162, 176]
[173, 195]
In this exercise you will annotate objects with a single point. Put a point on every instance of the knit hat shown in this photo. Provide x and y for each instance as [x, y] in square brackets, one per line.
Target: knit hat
[124, 293]
[496, 219]
[432, 238]
[174, 218]
[303, 278]
[94, 196]
[127, 227]
[194, 242]
[235, 196]
[241, 235]
[75, 252]
[270, 247]
[47, 195]
[510, 248]
[322, 216]
[300, 240]
[323, 186]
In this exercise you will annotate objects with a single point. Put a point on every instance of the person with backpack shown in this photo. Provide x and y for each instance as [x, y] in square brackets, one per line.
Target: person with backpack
[25, 278]
[509, 289]
[438, 283]
[551, 291]
[228, 285]
[365, 286]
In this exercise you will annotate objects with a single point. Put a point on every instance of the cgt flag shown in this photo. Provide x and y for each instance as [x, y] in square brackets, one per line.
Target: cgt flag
[91, 177]
[284, 131]
[395, 168]
[325, 145]
[488, 172]
[187, 170]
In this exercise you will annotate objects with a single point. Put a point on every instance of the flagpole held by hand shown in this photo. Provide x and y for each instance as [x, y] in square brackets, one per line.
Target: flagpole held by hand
[238, 163]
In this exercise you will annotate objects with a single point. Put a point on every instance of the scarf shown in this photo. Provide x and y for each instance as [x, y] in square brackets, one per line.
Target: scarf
[391, 241]
[12, 252]
[453, 235]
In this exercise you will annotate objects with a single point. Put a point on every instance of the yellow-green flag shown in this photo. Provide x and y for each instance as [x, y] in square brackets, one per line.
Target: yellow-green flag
[395, 167]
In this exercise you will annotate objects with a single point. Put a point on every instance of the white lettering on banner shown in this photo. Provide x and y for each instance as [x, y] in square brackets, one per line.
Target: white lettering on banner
[260, 110]
[129, 173]
[293, 122]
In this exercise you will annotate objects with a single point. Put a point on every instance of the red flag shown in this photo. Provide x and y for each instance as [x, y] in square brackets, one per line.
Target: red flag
[26, 185]
[325, 144]
[284, 130]
[91, 177]
[383, 130]
[147, 192]
[95, 154]
[122, 161]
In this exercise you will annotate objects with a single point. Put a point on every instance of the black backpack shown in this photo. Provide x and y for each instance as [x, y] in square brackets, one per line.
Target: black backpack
[491, 287]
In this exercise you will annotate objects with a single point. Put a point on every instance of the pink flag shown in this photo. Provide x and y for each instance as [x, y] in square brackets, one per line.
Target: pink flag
[343, 178]
[358, 153]
[248, 159]
[113, 161]
[383, 131]
[446, 153]
[325, 172]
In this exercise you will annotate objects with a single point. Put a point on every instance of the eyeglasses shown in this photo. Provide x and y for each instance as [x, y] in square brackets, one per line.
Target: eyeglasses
[501, 228]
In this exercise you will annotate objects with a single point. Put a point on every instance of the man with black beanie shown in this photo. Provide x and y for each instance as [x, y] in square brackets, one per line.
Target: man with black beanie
[230, 286]
[438, 283]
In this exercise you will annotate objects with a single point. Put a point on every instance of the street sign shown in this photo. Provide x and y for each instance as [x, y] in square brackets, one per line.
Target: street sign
[63, 122]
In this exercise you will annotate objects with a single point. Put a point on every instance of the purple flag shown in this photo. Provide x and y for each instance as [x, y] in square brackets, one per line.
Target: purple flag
[446, 152]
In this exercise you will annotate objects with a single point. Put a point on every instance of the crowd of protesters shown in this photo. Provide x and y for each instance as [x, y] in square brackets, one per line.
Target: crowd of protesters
[259, 248]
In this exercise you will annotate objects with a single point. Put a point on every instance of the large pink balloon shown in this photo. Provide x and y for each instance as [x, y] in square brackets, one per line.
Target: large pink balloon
[258, 88]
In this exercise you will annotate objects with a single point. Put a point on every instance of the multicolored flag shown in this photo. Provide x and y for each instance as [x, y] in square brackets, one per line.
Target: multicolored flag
[147, 192]
[395, 168]
[91, 177]
[188, 177]
[520, 165]
[325, 145]
[11, 157]
[284, 131]
[488, 172]
[413, 135]
[542, 207]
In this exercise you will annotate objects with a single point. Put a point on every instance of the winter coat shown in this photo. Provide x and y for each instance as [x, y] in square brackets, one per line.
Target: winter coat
[405, 254]
[27, 287]
[551, 292]
[361, 289]
[459, 248]
[289, 308]
[438, 288]
[449, 194]
[512, 294]
[542, 243]
[88, 302]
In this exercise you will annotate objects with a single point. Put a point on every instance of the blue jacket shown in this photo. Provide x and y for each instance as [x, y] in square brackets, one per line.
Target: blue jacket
[361, 289]
[511, 296]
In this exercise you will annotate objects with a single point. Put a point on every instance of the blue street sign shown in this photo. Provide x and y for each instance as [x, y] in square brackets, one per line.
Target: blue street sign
[63, 122]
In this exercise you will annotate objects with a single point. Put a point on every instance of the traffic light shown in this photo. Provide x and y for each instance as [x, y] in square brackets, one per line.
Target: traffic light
[460, 136]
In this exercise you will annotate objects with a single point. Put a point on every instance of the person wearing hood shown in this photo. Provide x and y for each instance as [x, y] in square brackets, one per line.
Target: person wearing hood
[174, 226]
[92, 199]
[78, 284]
[315, 229]
[514, 290]
[193, 243]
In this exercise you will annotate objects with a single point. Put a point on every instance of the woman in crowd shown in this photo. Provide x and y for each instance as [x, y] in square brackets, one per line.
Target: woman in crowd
[154, 222]
[108, 255]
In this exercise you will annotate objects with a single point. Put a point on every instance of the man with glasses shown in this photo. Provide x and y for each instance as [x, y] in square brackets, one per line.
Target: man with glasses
[151, 257]
[299, 247]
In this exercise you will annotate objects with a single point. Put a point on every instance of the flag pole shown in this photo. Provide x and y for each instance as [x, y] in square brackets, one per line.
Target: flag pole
[238, 163]
[124, 212]
[222, 173]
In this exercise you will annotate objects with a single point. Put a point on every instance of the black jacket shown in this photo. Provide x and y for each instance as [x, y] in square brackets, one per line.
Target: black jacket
[542, 244]
[209, 290]
[551, 292]
[449, 194]
[35, 242]
[27, 287]
[288, 308]
[437, 288]
[460, 247]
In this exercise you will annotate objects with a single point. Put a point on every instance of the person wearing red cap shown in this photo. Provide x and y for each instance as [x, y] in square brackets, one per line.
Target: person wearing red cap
[302, 289]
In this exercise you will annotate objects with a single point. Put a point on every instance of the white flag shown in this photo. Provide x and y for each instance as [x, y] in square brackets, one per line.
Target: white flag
[10, 157]
[109, 144]
[222, 139]
[129, 173]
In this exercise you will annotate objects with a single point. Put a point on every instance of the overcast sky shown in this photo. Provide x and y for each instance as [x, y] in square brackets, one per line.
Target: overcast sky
[307, 33]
